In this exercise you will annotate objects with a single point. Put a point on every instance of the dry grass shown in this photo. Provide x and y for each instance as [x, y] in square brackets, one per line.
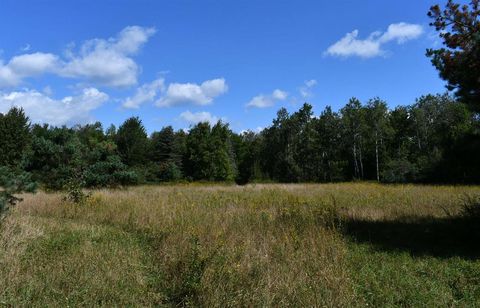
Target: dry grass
[259, 245]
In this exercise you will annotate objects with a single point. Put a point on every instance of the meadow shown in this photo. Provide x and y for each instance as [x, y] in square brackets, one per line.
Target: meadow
[355, 244]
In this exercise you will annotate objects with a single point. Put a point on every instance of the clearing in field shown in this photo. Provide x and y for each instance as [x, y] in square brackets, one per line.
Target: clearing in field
[258, 245]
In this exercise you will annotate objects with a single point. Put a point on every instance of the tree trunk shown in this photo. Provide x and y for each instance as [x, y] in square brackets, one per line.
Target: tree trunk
[361, 161]
[356, 171]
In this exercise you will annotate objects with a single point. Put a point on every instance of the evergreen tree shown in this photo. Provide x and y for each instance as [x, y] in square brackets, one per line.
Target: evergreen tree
[162, 143]
[458, 61]
[223, 161]
[56, 155]
[198, 153]
[14, 136]
[12, 182]
[132, 142]
[166, 151]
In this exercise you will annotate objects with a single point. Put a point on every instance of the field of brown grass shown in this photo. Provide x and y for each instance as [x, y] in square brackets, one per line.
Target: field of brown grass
[329, 245]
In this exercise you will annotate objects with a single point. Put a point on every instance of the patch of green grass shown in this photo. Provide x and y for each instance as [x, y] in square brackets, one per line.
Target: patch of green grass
[73, 264]
[396, 278]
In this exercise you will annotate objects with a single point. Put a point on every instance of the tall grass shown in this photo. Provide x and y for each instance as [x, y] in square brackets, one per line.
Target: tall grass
[259, 245]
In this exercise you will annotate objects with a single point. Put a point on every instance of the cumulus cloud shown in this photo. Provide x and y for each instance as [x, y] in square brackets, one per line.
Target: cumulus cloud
[401, 32]
[191, 93]
[351, 45]
[279, 95]
[197, 117]
[103, 62]
[7, 77]
[306, 89]
[44, 109]
[264, 101]
[144, 94]
[109, 62]
[33, 64]
[26, 65]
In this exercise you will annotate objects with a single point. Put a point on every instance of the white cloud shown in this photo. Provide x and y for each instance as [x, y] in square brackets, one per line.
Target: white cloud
[44, 109]
[279, 95]
[26, 65]
[146, 93]
[306, 89]
[264, 101]
[8, 78]
[197, 117]
[351, 45]
[401, 33]
[109, 62]
[185, 93]
[33, 64]
[256, 130]
[103, 62]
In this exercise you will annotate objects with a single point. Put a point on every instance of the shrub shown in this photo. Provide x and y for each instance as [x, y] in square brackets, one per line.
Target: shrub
[74, 191]
[11, 183]
[109, 173]
[169, 171]
[471, 208]
[400, 171]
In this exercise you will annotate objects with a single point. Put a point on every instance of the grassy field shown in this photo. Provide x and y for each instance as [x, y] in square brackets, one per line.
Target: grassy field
[261, 245]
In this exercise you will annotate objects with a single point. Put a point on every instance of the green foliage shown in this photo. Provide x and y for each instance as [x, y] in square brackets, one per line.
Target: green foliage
[166, 153]
[14, 136]
[222, 156]
[288, 153]
[459, 60]
[74, 191]
[355, 128]
[327, 140]
[55, 155]
[209, 153]
[245, 147]
[110, 172]
[421, 142]
[185, 280]
[400, 171]
[169, 171]
[13, 182]
[162, 145]
[131, 139]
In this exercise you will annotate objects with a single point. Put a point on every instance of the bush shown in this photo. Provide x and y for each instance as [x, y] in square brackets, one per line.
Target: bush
[169, 171]
[471, 208]
[11, 183]
[74, 191]
[109, 173]
[399, 171]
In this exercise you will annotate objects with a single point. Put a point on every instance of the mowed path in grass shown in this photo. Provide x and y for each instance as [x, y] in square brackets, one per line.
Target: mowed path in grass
[257, 245]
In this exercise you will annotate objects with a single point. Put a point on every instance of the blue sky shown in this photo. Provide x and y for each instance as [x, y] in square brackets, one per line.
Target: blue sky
[177, 62]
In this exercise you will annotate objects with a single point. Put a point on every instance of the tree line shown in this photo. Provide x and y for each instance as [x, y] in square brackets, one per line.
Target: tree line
[433, 140]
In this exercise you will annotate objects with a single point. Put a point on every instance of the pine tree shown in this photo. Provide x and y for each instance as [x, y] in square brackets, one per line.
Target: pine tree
[14, 136]
[132, 142]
